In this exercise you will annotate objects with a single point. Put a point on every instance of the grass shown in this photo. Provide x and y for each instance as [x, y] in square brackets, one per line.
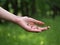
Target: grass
[12, 34]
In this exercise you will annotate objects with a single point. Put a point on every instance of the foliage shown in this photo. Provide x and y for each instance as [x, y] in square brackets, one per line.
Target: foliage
[12, 34]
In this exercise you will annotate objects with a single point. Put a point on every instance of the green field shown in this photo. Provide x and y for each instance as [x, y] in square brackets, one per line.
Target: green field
[12, 34]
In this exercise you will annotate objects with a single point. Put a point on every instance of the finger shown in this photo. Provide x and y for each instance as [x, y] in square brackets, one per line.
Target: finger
[44, 28]
[34, 28]
[39, 29]
[36, 21]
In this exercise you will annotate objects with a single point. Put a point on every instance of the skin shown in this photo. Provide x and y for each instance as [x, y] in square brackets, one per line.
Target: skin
[28, 23]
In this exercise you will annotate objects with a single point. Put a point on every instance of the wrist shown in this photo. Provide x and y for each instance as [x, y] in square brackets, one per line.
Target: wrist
[17, 19]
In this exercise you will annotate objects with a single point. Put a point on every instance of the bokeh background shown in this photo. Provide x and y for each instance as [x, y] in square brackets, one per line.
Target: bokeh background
[47, 11]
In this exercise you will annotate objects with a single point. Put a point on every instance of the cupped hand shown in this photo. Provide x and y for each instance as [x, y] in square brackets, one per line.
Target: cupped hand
[29, 24]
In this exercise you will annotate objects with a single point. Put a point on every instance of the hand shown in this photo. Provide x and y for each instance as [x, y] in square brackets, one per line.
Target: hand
[29, 24]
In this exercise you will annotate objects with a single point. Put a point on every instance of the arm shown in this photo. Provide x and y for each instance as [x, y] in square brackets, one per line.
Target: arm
[27, 23]
[7, 15]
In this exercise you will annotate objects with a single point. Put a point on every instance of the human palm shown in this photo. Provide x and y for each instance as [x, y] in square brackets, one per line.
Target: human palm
[29, 24]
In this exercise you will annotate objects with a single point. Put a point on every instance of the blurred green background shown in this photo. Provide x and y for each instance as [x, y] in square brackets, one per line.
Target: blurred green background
[47, 11]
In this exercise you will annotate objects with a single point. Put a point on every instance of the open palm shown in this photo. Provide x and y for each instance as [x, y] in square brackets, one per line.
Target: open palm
[29, 24]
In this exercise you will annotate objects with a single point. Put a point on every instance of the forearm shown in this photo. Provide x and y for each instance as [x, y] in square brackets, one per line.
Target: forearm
[7, 15]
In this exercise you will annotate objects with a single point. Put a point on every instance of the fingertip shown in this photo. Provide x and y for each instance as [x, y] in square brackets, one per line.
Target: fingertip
[40, 23]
